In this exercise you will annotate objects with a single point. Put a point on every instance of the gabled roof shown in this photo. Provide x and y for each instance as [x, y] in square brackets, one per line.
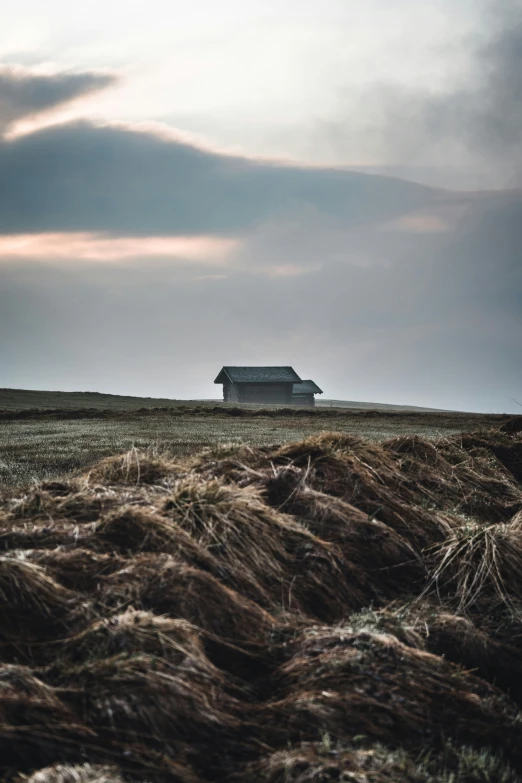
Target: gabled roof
[306, 387]
[257, 375]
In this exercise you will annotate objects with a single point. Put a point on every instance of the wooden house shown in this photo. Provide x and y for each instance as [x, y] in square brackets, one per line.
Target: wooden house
[262, 385]
[303, 393]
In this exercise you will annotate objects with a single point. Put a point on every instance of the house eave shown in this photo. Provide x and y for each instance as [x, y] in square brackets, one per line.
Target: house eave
[223, 377]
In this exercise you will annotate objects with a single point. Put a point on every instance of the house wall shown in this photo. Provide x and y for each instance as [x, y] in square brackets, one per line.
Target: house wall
[303, 399]
[230, 392]
[265, 393]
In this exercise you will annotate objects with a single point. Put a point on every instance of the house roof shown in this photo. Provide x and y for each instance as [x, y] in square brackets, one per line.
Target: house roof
[306, 387]
[257, 375]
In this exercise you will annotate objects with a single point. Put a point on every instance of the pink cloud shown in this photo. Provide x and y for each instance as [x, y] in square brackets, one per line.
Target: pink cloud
[286, 270]
[437, 220]
[84, 246]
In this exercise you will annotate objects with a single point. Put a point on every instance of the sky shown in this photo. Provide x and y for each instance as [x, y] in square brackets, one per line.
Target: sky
[333, 185]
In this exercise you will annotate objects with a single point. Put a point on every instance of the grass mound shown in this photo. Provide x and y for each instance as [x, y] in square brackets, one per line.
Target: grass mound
[384, 561]
[137, 631]
[133, 467]
[480, 565]
[36, 726]
[356, 472]
[77, 569]
[293, 567]
[350, 683]
[29, 597]
[326, 761]
[145, 698]
[333, 609]
[134, 529]
[458, 639]
[85, 773]
[162, 584]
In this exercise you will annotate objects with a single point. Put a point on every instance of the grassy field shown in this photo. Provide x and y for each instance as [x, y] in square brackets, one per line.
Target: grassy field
[47, 446]
[44, 435]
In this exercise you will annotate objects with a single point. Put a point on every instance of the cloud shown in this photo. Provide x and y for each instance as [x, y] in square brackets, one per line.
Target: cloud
[25, 93]
[468, 132]
[80, 177]
[77, 246]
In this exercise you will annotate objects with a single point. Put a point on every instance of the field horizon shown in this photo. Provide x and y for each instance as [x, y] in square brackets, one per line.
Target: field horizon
[50, 435]
[19, 399]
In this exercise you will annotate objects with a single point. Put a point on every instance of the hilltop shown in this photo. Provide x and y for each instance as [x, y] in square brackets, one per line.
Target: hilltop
[20, 399]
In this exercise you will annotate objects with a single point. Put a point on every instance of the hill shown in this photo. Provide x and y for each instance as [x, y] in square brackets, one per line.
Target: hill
[376, 406]
[20, 399]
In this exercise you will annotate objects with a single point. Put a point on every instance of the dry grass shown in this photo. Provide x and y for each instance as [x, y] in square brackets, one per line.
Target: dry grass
[371, 684]
[479, 565]
[326, 761]
[293, 568]
[85, 773]
[132, 468]
[328, 609]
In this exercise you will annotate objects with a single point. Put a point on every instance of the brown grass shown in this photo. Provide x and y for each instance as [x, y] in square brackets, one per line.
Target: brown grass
[326, 761]
[331, 609]
[133, 467]
[85, 773]
[366, 683]
[479, 565]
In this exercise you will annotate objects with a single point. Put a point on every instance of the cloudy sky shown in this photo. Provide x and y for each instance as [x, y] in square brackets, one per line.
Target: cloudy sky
[330, 184]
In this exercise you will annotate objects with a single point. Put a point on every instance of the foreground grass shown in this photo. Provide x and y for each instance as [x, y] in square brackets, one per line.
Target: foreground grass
[332, 609]
[45, 449]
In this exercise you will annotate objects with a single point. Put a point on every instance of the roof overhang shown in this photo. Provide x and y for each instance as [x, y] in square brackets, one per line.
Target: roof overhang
[307, 387]
[223, 377]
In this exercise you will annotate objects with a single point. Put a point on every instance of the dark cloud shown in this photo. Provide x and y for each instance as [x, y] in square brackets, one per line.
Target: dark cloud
[82, 177]
[470, 132]
[24, 93]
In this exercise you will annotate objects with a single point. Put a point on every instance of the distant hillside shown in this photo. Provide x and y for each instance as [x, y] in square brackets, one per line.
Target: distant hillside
[20, 399]
[374, 406]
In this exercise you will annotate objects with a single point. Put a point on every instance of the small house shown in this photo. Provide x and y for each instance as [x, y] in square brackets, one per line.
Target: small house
[303, 393]
[262, 385]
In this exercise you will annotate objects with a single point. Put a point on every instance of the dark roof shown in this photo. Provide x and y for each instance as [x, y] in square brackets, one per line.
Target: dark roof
[306, 387]
[257, 375]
